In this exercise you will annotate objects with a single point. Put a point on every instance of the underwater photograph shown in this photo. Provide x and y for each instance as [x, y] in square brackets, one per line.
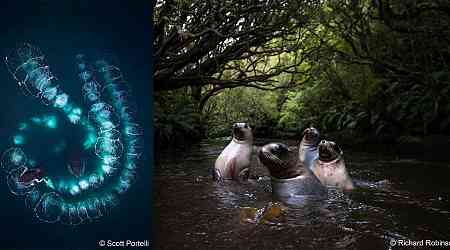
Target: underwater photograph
[76, 125]
[318, 124]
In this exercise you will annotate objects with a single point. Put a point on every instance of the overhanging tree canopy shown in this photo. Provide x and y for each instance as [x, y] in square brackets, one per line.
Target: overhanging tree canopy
[225, 44]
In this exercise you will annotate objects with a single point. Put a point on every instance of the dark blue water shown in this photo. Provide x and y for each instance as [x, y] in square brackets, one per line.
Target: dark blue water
[63, 29]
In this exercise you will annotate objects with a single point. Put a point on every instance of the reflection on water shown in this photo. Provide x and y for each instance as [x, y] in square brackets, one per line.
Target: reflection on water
[397, 198]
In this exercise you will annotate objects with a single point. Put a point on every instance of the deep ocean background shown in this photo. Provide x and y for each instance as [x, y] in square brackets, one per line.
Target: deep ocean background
[62, 29]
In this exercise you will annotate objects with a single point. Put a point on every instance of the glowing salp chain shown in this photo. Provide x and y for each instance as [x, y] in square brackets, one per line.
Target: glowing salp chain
[12, 159]
[50, 122]
[28, 67]
[114, 87]
[112, 135]
[108, 146]
[16, 186]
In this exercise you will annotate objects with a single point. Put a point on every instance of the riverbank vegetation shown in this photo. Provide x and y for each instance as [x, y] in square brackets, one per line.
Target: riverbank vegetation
[374, 68]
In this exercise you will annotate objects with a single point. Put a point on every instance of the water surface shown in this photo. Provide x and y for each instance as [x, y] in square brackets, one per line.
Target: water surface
[398, 198]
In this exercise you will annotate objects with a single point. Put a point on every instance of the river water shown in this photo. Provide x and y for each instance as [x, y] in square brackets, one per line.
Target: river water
[399, 200]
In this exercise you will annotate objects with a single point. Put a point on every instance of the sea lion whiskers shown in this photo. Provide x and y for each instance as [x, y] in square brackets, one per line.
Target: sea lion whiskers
[242, 133]
[329, 151]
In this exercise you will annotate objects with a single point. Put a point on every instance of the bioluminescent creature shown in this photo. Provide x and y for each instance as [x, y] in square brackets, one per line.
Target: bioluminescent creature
[94, 169]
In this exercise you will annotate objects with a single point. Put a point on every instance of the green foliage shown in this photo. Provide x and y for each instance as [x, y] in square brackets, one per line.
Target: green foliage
[251, 105]
[297, 112]
[176, 117]
[383, 70]
[377, 67]
[328, 103]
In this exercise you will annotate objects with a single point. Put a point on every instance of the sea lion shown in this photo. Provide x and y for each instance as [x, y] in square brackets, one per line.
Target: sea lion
[330, 166]
[307, 151]
[289, 177]
[234, 161]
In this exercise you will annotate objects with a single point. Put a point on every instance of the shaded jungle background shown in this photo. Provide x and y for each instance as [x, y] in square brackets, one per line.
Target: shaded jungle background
[363, 70]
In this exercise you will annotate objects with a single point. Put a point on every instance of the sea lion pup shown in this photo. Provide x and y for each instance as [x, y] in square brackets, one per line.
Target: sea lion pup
[330, 166]
[307, 150]
[234, 161]
[289, 177]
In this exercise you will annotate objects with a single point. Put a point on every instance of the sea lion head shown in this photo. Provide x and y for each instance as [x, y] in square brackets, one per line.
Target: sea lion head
[242, 132]
[311, 136]
[329, 151]
[291, 181]
[279, 160]
[331, 159]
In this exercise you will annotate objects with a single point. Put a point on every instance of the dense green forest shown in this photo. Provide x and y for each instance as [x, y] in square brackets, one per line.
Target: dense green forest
[372, 68]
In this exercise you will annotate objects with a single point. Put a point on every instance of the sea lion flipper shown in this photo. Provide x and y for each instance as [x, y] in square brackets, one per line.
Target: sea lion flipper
[232, 166]
[244, 174]
[217, 176]
[235, 173]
